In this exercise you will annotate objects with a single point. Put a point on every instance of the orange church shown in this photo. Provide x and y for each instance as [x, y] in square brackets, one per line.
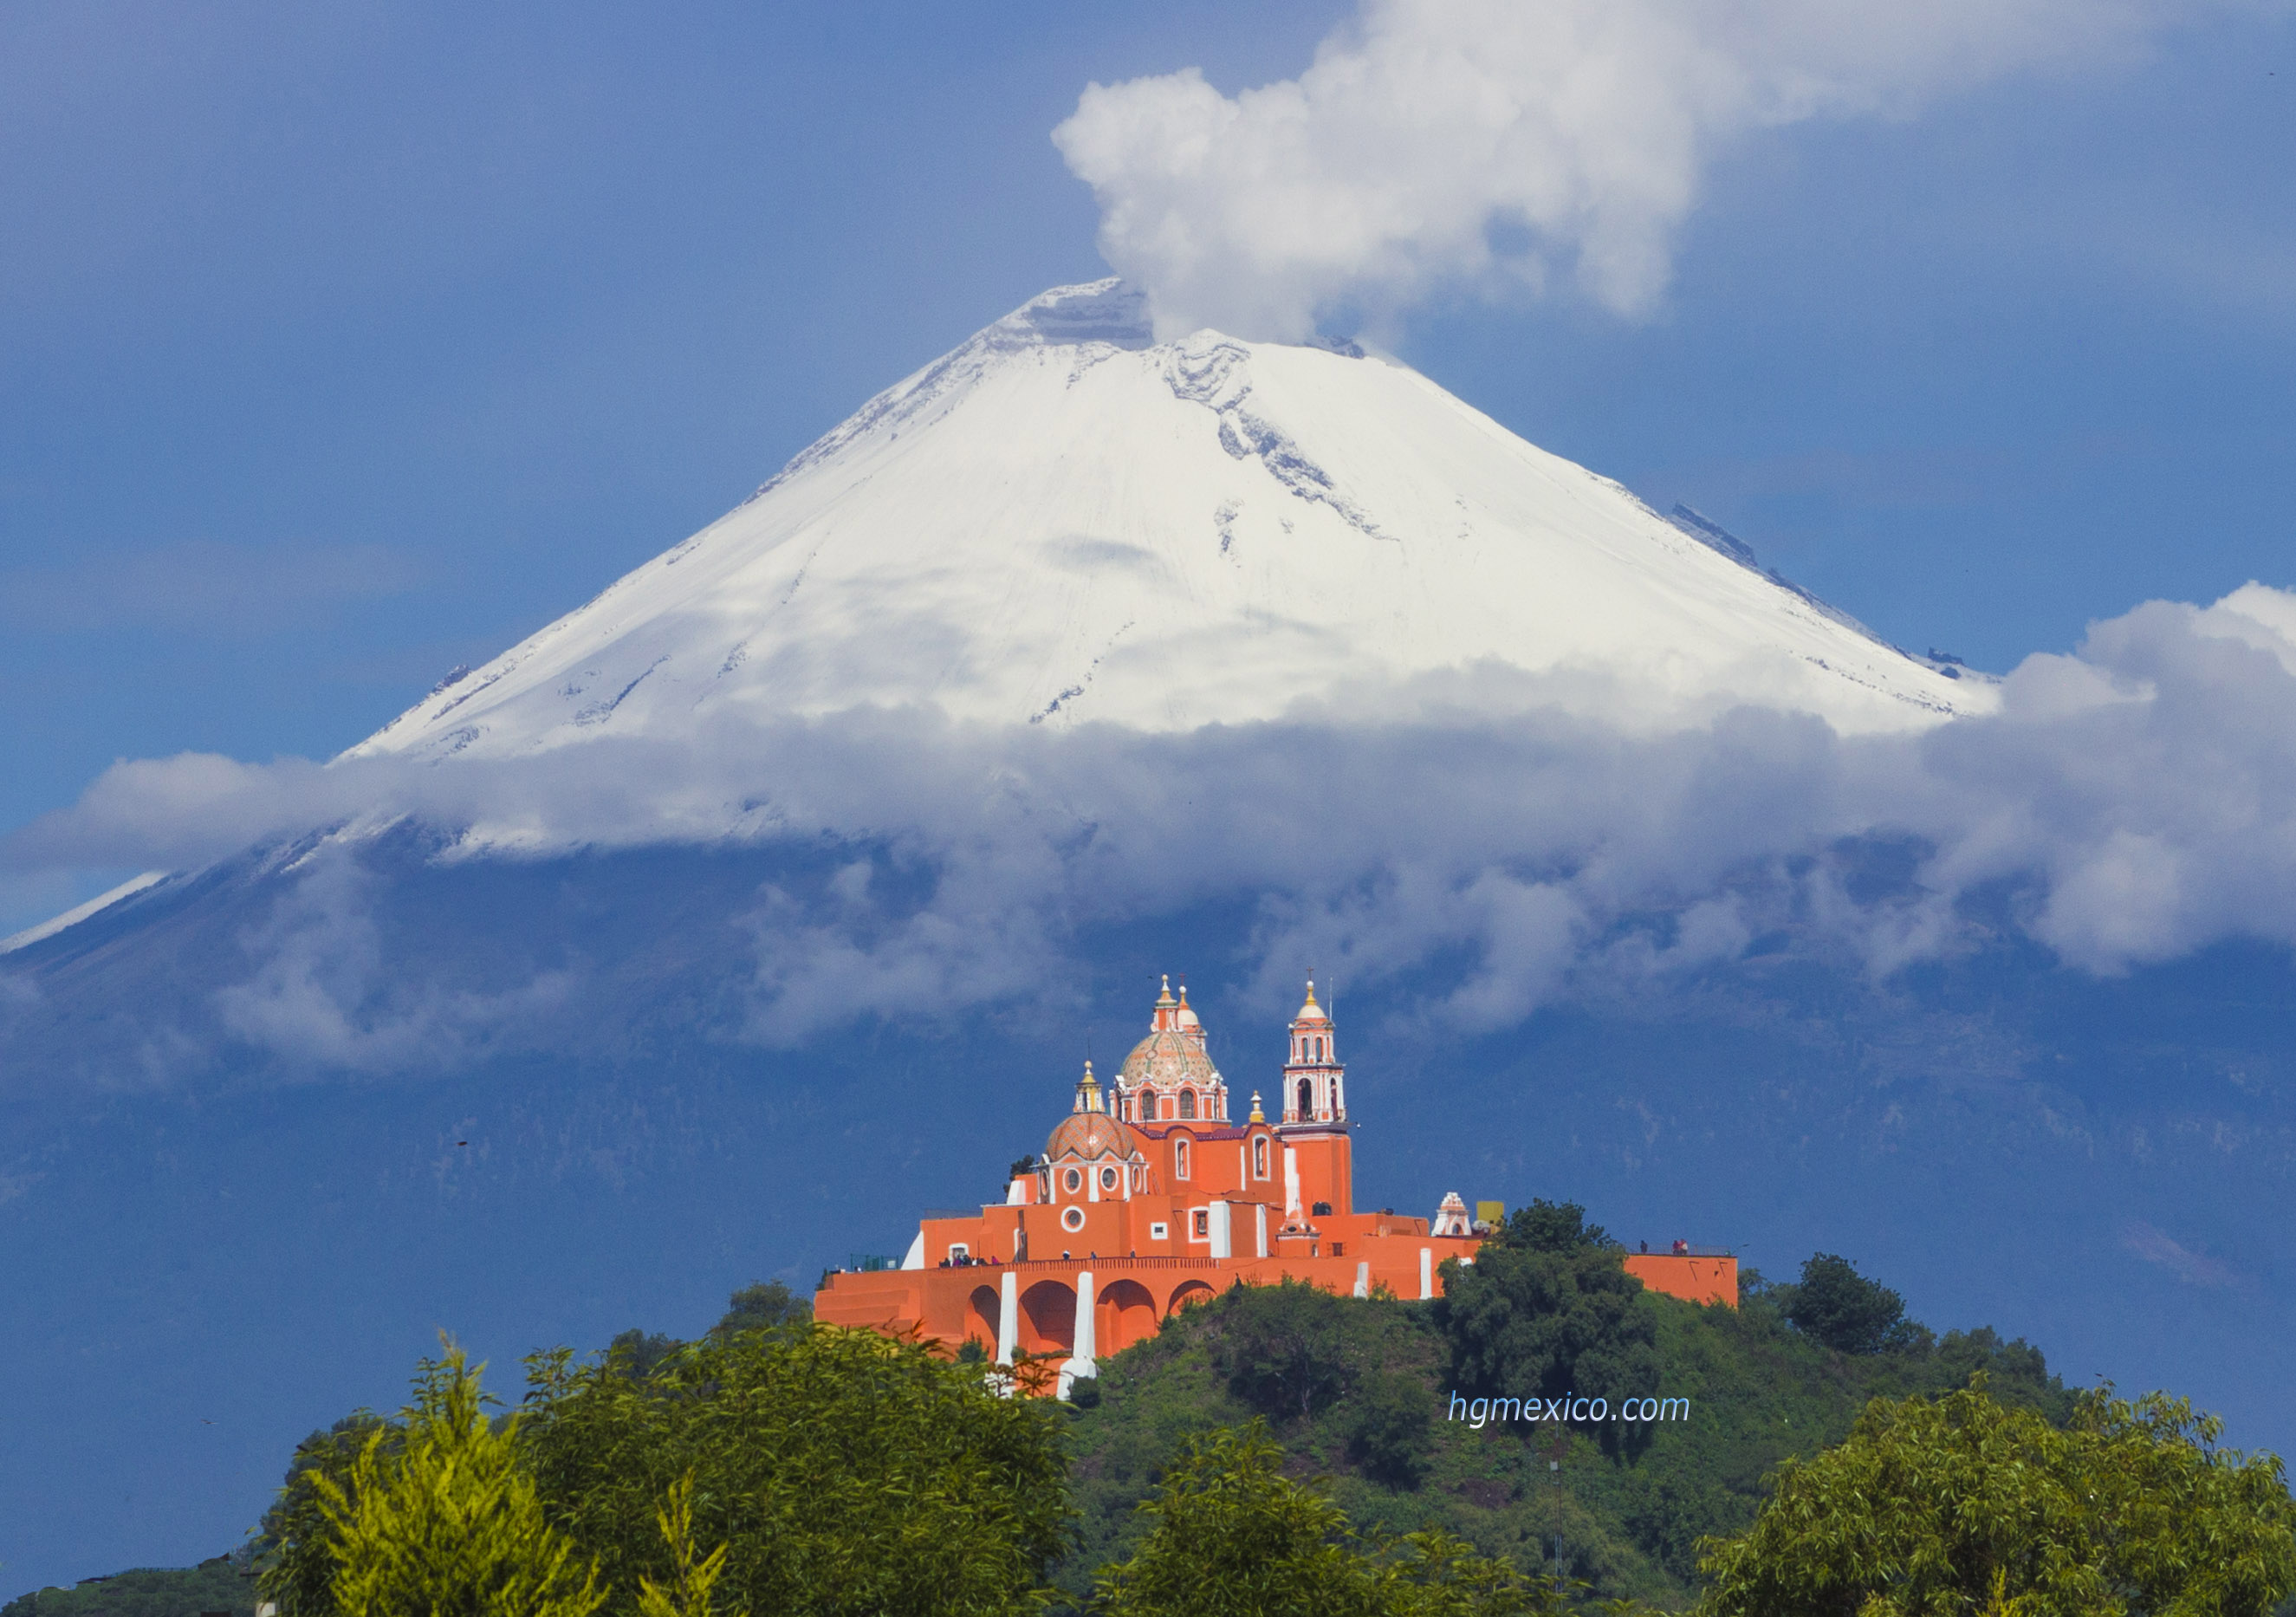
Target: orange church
[1148, 1198]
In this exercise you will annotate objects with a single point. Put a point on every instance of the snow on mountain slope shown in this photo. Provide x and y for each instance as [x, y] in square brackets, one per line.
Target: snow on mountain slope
[1061, 522]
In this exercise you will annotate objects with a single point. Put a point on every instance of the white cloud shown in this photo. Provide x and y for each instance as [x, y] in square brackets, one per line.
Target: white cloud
[1437, 143]
[2133, 801]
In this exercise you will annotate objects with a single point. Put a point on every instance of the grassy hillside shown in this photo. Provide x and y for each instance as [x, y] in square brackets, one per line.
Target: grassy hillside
[1357, 1391]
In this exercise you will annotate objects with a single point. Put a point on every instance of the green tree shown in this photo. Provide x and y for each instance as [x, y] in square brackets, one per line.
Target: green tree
[694, 1575]
[1388, 1423]
[294, 1543]
[1235, 1538]
[1547, 1309]
[764, 1305]
[445, 1521]
[1835, 1305]
[1287, 1350]
[1553, 1227]
[644, 1349]
[1962, 1505]
[842, 1472]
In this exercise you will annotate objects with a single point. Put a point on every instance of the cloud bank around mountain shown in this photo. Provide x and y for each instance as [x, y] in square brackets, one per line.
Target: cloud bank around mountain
[1440, 143]
[2132, 802]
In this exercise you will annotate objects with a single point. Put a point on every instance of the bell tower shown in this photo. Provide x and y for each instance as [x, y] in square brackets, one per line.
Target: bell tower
[1315, 1087]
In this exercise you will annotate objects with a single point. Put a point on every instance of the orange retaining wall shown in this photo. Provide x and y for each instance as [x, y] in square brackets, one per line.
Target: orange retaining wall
[1135, 1295]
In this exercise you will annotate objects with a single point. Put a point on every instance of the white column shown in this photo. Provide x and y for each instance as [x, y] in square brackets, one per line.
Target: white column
[1222, 1230]
[1081, 1356]
[1291, 1182]
[1363, 1278]
[1426, 1273]
[1008, 1319]
[1259, 1217]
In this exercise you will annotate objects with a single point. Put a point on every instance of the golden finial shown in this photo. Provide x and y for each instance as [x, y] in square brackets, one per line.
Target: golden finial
[1257, 1116]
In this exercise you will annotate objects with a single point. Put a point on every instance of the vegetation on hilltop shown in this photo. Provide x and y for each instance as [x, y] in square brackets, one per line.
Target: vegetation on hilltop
[1280, 1449]
[1360, 1394]
[225, 1584]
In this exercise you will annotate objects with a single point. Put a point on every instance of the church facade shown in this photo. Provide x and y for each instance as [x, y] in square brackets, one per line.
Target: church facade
[1150, 1195]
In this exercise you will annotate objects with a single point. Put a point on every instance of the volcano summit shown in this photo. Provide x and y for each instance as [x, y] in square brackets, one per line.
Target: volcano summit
[1063, 521]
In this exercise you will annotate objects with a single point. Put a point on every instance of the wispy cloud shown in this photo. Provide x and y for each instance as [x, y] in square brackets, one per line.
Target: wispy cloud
[2157, 1246]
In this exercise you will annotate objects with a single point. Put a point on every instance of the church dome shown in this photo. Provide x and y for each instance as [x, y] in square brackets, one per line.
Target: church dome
[1091, 1135]
[1169, 1057]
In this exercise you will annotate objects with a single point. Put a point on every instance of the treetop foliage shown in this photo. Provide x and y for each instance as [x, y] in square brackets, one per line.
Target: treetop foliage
[1835, 1305]
[1551, 1226]
[444, 1521]
[1962, 1505]
[796, 1469]
[1233, 1536]
[844, 1472]
[1548, 1309]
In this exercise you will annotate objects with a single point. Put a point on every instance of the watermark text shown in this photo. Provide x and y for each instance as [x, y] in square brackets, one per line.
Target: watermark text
[1570, 1408]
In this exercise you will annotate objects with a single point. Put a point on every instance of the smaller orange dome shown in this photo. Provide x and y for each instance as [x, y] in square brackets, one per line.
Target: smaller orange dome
[1091, 1135]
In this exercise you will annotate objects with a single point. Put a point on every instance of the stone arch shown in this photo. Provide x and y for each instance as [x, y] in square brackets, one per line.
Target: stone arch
[980, 1318]
[1187, 1294]
[1127, 1314]
[1048, 1316]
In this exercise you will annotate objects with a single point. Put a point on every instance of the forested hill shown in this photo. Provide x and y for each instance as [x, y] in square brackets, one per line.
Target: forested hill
[1362, 1395]
[1379, 1399]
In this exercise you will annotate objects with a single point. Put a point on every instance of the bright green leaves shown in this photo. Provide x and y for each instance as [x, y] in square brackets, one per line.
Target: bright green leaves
[445, 1521]
[1962, 1505]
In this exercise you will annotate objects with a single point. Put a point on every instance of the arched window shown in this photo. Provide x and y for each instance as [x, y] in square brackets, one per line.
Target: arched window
[1306, 1098]
[1148, 1106]
[1259, 1158]
[1180, 1158]
[1187, 1103]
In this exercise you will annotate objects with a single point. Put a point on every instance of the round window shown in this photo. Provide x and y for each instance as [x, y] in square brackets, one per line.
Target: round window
[1072, 1218]
[1108, 1179]
[1072, 1180]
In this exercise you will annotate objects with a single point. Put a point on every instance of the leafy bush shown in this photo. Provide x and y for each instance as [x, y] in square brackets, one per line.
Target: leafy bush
[1235, 1538]
[842, 1471]
[1835, 1305]
[1964, 1504]
[1547, 1308]
[444, 1521]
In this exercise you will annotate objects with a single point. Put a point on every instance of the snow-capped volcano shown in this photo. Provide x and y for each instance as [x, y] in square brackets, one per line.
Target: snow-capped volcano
[1063, 521]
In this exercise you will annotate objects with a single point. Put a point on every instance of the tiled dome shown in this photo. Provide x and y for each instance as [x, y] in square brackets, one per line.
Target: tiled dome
[1169, 1058]
[1091, 1135]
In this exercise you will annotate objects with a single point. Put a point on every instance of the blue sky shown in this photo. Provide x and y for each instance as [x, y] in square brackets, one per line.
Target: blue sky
[344, 346]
